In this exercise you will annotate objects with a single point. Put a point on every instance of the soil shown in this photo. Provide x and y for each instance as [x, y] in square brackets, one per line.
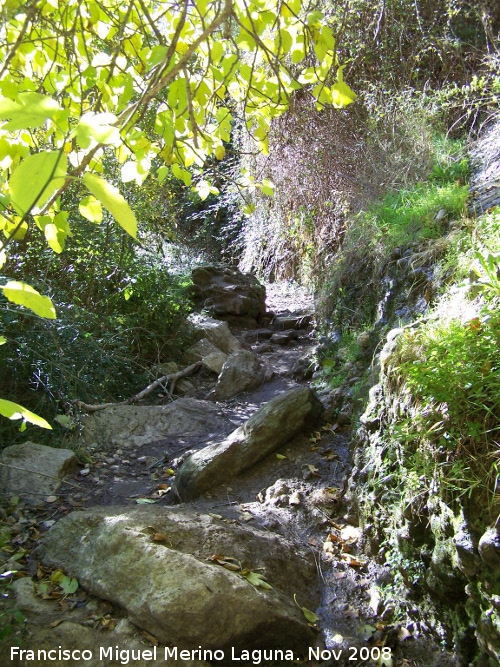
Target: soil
[298, 493]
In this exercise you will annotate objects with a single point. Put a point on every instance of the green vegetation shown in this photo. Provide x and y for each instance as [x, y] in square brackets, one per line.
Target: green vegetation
[97, 100]
[452, 371]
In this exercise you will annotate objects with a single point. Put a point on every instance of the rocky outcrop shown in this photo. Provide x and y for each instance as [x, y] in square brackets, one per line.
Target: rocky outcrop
[130, 426]
[34, 470]
[226, 293]
[166, 568]
[266, 431]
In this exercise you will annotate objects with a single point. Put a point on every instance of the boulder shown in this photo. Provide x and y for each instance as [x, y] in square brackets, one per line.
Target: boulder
[257, 335]
[489, 548]
[267, 430]
[228, 294]
[35, 470]
[305, 365]
[284, 337]
[215, 361]
[130, 426]
[283, 322]
[216, 331]
[202, 349]
[241, 372]
[158, 564]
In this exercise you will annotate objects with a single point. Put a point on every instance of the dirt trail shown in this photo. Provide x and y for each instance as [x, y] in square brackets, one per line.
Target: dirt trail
[297, 492]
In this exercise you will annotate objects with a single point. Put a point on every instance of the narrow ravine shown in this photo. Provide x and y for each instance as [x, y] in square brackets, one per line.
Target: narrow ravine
[296, 493]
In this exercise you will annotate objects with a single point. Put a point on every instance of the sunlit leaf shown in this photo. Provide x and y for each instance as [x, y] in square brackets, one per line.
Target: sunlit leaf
[113, 201]
[27, 111]
[25, 295]
[97, 127]
[45, 173]
[91, 209]
[14, 411]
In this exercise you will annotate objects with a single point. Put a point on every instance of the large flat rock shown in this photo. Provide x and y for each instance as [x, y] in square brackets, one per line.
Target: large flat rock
[172, 588]
[131, 426]
[267, 430]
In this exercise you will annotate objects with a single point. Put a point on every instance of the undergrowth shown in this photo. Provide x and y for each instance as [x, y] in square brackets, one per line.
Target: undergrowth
[453, 372]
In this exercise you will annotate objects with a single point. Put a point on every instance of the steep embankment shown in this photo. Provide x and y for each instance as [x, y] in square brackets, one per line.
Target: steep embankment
[416, 311]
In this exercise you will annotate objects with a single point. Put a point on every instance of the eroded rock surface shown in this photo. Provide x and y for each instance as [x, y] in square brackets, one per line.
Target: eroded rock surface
[157, 564]
[131, 426]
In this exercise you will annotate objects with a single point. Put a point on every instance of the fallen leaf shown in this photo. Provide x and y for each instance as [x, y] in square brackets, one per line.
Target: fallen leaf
[403, 634]
[280, 456]
[159, 537]
[145, 501]
[229, 563]
[313, 469]
[366, 632]
[257, 579]
[246, 516]
[150, 638]
[308, 614]
[350, 560]
[50, 499]
[56, 623]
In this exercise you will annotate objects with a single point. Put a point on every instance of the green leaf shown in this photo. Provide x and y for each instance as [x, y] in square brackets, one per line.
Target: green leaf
[45, 172]
[98, 127]
[342, 95]
[113, 201]
[14, 411]
[267, 187]
[29, 110]
[182, 174]
[25, 295]
[3, 340]
[57, 231]
[366, 632]
[69, 585]
[91, 209]
[257, 579]
[309, 615]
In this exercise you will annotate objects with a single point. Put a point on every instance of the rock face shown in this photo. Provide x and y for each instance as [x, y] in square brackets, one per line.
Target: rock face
[266, 431]
[131, 426]
[226, 293]
[242, 371]
[172, 588]
[37, 470]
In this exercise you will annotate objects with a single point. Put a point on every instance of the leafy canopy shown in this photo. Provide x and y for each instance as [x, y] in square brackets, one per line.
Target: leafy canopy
[153, 85]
